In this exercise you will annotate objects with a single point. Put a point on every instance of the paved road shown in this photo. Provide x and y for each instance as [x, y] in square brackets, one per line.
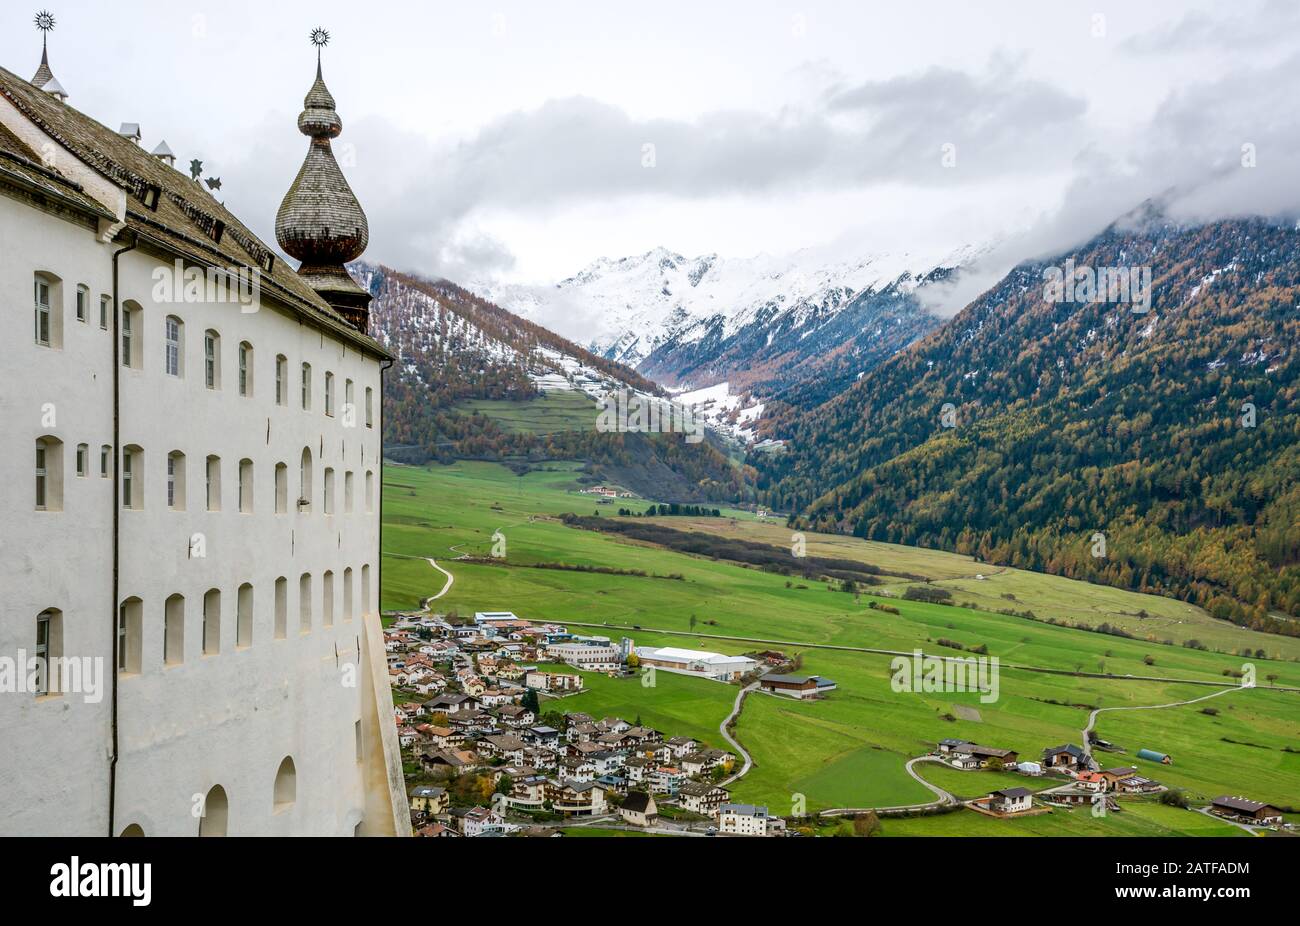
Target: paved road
[1092, 718]
[892, 652]
[731, 740]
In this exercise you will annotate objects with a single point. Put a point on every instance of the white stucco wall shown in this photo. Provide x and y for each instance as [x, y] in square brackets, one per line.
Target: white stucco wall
[227, 718]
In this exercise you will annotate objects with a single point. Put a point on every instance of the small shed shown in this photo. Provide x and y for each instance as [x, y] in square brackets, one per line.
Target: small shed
[1029, 768]
[1152, 756]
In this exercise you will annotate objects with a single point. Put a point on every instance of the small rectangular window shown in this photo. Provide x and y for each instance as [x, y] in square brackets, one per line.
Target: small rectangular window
[104, 303]
[43, 313]
[82, 452]
[210, 361]
[41, 476]
[173, 347]
[127, 336]
[83, 299]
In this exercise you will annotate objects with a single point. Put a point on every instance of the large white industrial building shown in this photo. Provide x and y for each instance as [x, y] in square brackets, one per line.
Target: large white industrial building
[190, 486]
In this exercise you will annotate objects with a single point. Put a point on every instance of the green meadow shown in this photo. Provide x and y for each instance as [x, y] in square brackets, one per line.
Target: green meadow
[849, 749]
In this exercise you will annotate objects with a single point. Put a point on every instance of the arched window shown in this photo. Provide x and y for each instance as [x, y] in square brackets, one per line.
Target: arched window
[304, 481]
[105, 460]
[304, 603]
[212, 492]
[370, 415]
[327, 500]
[132, 335]
[306, 387]
[49, 651]
[347, 492]
[349, 405]
[174, 341]
[281, 607]
[130, 635]
[244, 616]
[281, 380]
[132, 477]
[211, 359]
[176, 481]
[48, 308]
[286, 785]
[370, 491]
[83, 459]
[329, 394]
[347, 594]
[212, 622]
[216, 812]
[365, 589]
[174, 631]
[327, 598]
[134, 830]
[245, 368]
[83, 303]
[281, 488]
[49, 474]
[246, 486]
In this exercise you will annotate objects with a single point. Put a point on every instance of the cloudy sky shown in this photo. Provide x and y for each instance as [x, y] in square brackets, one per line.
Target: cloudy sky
[520, 141]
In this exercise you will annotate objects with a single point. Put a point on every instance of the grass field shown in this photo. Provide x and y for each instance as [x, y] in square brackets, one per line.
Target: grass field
[551, 413]
[1134, 819]
[849, 749]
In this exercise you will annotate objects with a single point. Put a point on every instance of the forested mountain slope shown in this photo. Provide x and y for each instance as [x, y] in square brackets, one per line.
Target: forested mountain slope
[1175, 433]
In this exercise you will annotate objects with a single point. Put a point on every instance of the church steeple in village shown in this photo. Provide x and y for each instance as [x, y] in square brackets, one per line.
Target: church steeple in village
[44, 78]
[320, 221]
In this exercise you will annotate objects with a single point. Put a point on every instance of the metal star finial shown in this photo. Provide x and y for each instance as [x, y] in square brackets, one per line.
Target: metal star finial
[196, 169]
[320, 38]
[45, 22]
[214, 183]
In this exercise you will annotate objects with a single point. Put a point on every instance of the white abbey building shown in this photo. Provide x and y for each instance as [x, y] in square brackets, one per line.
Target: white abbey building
[190, 495]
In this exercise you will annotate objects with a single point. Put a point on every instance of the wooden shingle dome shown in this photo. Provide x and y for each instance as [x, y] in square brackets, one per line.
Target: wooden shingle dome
[320, 221]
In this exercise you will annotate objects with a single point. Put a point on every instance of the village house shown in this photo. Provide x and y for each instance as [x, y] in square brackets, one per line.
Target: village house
[433, 830]
[575, 769]
[1011, 800]
[702, 798]
[527, 792]
[638, 768]
[553, 681]
[682, 746]
[505, 746]
[476, 820]
[429, 799]
[748, 820]
[515, 715]
[704, 761]
[575, 798]
[638, 808]
[972, 755]
[666, 779]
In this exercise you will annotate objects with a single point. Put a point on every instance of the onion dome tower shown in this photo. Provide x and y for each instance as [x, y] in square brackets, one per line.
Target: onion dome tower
[320, 221]
[44, 78]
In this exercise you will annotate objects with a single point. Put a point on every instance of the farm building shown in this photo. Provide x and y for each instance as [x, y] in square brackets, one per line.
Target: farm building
[695, 662]
[797, 686]
[1152, 756]
[1068, 756]
[1246, 809]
